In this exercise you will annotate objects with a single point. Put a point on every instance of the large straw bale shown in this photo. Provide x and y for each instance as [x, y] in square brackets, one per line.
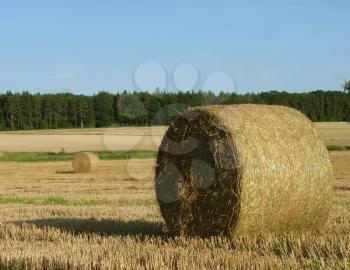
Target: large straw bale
[85, 162]
[240, 169]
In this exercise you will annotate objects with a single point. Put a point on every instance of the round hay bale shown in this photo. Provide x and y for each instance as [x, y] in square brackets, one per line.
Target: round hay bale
[85, 162]
[240, 169]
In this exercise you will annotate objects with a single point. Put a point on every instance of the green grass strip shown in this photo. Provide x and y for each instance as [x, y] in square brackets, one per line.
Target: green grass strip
[103, 155]
[51, 156]
[68, 202]
[338, 148]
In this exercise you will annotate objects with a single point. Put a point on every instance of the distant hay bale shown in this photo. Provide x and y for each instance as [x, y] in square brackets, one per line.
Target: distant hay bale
[240, 169]
[85, 162]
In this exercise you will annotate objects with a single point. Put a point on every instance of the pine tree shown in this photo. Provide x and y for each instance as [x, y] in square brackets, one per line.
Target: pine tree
[103, 105]
[83, 110]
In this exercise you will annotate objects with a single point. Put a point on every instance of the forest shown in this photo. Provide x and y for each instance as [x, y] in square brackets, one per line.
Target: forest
[22, 111]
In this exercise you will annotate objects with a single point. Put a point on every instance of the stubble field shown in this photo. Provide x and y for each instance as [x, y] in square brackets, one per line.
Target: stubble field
[53, 218]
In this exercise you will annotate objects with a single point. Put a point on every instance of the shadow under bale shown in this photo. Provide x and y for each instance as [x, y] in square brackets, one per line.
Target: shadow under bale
[65, 172]
[103, 227]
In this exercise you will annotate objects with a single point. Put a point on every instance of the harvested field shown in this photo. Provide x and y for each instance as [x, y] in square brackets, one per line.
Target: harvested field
[123, 138]
[335, 133]
[53, 218]
[74, 140]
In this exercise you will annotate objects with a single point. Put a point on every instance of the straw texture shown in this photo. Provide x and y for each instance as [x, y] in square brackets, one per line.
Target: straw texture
[85, 162]
[241, 169]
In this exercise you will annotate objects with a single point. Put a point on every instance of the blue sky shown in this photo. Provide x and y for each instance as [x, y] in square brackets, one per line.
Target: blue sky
[84, 46]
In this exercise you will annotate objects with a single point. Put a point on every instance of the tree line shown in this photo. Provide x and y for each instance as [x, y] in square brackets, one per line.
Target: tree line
[21, 111]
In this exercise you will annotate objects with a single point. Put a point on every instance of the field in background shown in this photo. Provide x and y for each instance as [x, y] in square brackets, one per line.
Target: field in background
[336, 133]
[124, 138]
[53, 218]
[73, 140]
